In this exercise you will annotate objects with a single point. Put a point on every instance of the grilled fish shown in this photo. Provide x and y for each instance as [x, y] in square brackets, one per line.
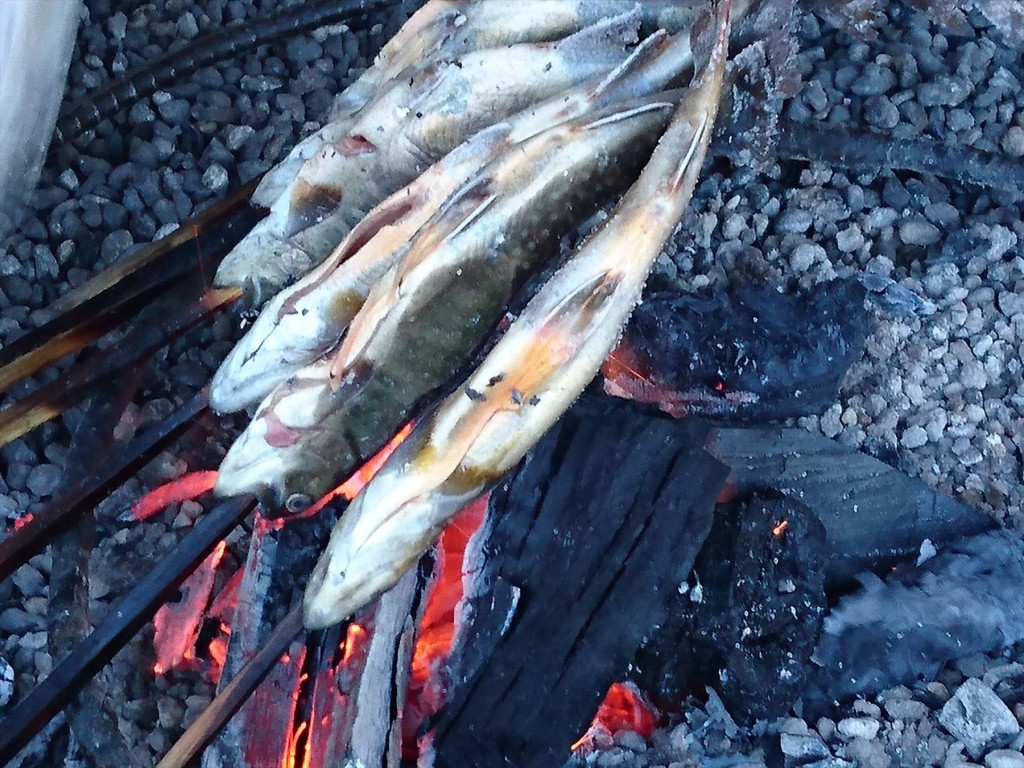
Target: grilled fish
[528, 380]
[444, 29]
[393, 140]
[306, 320]
[438, 304]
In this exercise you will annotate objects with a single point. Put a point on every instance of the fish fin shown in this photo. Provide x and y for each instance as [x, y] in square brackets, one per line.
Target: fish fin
[635, 110]
[642, 55]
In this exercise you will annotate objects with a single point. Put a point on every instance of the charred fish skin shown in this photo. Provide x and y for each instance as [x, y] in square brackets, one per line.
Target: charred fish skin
[305, 320]
[399, 136]
[527, 381]
[441, 302]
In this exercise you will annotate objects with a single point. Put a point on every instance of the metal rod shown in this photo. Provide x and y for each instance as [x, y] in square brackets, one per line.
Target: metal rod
[51, 400]
[128, 286]
[85, 493]
[134, 610]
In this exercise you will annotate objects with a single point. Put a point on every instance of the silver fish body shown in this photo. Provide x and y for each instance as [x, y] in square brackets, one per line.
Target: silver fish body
[306, 320]
[438, 304]
[525, 383]
[399, 136]
[444, 29]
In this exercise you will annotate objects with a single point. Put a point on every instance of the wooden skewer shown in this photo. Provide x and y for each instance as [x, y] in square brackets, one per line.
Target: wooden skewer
[188, 231]
[26, 541]
[208, 724]
[53, 399]
[119, 292]
[137, 607]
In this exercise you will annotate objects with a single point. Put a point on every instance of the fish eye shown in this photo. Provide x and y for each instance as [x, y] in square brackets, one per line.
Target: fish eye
[298, 502]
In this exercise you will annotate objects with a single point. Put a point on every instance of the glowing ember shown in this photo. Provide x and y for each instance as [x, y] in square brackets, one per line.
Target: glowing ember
[186, 488]
[623, 708]
[177, 624]
[434, 640]
[22, 521]
[779, 529]
[354, 484]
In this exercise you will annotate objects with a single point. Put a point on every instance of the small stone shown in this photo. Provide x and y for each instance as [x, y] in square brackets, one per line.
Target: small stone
[29, 581]
[215, 178]
[880, 112]
[803, 749]
[919, 232]
[238, 136]
[115, 244]
[944, 92]
[6, 683]
[914, 437]
[907, 710]
[978, 718]
[9, 264]
[187, 26]
[859, 727]
[44, 479]
[16, 621]
[849, 239]
[973, 375]
[874, 81]
[794, 221]
[1007, 681]
[1013, 141]
[1004, 758]
[804, 256]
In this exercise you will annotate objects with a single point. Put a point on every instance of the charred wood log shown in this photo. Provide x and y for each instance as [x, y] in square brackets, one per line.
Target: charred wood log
[264, 723]
[874, 515]
[752, 354]
[585, 543]
[748, 618]
[964, 600]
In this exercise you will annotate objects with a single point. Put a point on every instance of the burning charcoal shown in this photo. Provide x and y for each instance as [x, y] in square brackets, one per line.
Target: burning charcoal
[753, 354]
[873, 515]
[746, 619]
[977, 717]
[962, 601]
[552, 620]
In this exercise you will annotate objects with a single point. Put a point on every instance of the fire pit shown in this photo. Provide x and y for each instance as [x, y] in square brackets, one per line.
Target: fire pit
[828, 359]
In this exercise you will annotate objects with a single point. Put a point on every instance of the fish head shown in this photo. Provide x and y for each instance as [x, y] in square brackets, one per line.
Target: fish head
[285, 482]
[367, 554]
[279, 458]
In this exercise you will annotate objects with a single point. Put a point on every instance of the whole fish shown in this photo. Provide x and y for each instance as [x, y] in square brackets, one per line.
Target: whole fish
[393, 140]
[529, 379]
[444, 29]
[306, 320]
[438, 304]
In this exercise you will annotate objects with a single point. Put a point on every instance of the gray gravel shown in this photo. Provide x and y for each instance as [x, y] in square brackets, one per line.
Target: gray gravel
[939, 390]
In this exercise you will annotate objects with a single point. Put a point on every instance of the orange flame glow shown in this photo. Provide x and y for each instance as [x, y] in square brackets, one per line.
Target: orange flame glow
[351, 487]
[176, 625]
[187, 487]
[780, 529]
[623, 708]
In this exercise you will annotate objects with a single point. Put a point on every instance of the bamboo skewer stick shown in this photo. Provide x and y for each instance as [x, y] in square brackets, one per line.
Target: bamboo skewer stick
[53, 399]
[134, 610]
[208, 724]
[117, 293]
